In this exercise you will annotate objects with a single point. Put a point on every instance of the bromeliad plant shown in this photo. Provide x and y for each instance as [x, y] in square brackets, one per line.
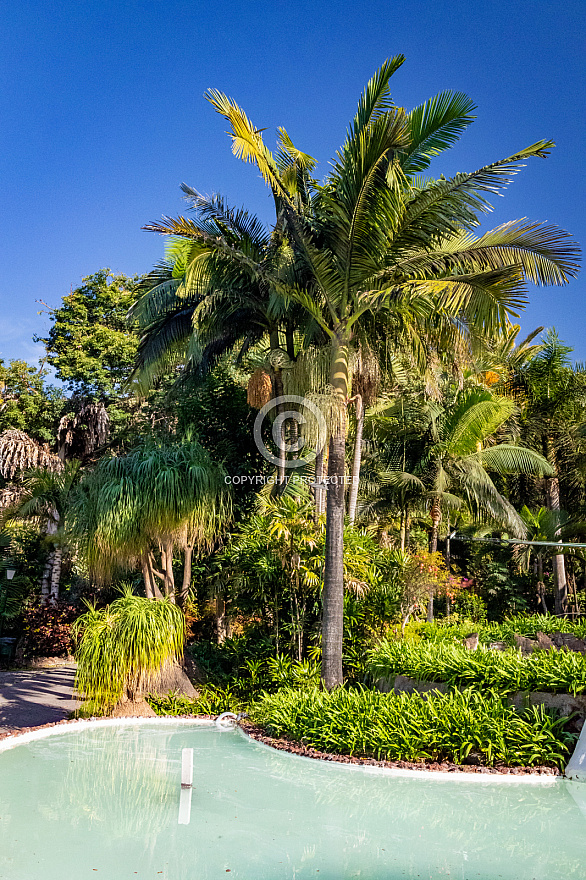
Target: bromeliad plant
[121, 649]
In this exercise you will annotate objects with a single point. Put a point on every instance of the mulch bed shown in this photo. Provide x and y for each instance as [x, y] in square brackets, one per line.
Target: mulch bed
[283, 744]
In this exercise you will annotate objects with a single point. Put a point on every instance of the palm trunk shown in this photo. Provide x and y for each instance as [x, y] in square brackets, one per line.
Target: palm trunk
[147, 576]
[333, 592]
[46, 578]
[278, 391]
[319, 490]
[559, 565]
[436, 515]
[56, 573]
[153, 573]
[167, 558]
[353, 497]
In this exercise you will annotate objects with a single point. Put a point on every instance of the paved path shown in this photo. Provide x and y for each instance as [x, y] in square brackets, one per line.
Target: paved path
[29, 698]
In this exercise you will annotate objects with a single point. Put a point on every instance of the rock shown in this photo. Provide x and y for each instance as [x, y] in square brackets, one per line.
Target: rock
[568, 642]
[406, 685]
[526, 646]
[471, 641]
[498, 646]
[565, 704]
[50, 662]
[544, 642]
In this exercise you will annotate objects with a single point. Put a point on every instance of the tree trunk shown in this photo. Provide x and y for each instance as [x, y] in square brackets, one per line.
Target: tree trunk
[147, 577]
[56, 573]
[222, 625]
[278, 391]
[559, 565]
[181, 598]
[167, 559]
[353, 497]
[46, 578]
[319, 495]
[333, 592]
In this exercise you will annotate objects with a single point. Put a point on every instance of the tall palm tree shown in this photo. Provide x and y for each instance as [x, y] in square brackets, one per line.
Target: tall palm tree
[378, 235]
[553, 396]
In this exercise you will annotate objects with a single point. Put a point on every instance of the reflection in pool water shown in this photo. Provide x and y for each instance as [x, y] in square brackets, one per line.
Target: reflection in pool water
[104, 801]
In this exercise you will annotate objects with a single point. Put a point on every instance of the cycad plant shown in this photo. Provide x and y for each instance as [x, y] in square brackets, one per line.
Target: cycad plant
[376, 236]
[123, 648]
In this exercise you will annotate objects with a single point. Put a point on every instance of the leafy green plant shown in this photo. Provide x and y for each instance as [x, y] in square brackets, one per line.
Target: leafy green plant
[552, 671]
[121, 648]
[413, 728]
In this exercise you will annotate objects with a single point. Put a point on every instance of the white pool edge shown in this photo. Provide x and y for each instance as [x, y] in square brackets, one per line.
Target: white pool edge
[18, 739]
[29, 736]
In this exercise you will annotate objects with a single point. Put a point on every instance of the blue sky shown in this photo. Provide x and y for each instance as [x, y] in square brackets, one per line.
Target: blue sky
[103, 118]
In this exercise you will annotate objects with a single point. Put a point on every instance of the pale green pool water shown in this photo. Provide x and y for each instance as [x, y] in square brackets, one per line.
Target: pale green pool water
[103, 803]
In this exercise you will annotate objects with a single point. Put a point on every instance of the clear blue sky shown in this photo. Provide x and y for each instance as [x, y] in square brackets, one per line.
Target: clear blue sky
[103, 118]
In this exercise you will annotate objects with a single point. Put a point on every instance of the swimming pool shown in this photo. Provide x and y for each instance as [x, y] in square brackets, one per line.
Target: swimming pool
[103, 801]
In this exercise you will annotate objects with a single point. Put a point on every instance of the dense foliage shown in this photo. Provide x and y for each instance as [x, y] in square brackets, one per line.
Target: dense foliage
[448, 727]
[503, 671]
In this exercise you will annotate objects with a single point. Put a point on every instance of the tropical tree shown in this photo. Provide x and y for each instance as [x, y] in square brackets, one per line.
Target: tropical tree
[44, 501]
[446, 453]
[378, 236]
[132, 509]
[123, 648]
[552, 394]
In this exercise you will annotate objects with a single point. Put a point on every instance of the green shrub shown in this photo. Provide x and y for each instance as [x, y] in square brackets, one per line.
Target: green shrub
[256, 677]
[551, 671]
[413, 728]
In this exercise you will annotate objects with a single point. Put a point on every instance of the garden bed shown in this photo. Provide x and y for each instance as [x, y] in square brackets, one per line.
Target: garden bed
[284, 744]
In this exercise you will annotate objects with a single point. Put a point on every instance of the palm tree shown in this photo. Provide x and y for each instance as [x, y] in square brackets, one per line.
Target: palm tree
[377, 236]
[136, 507]
[19, 452]
[446, 453]
[553, 397]
[44, 501]
[122, 649]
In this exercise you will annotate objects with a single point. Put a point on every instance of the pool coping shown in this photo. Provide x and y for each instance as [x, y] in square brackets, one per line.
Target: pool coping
[12, 740]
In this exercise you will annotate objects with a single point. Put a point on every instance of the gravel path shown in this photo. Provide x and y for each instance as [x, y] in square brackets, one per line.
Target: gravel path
[29, 698]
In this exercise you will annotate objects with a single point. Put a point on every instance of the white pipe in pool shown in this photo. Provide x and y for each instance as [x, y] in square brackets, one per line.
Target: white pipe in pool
[186, 768]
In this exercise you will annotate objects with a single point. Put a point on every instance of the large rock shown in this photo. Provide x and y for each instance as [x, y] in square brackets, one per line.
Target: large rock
[544, 642]
[406, 685]
[568, 642]
[526, 646]
[565, 704]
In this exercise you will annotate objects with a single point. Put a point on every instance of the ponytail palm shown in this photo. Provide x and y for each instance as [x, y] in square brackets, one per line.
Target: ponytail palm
[122, 648]
[375, 237]
[132, 508]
